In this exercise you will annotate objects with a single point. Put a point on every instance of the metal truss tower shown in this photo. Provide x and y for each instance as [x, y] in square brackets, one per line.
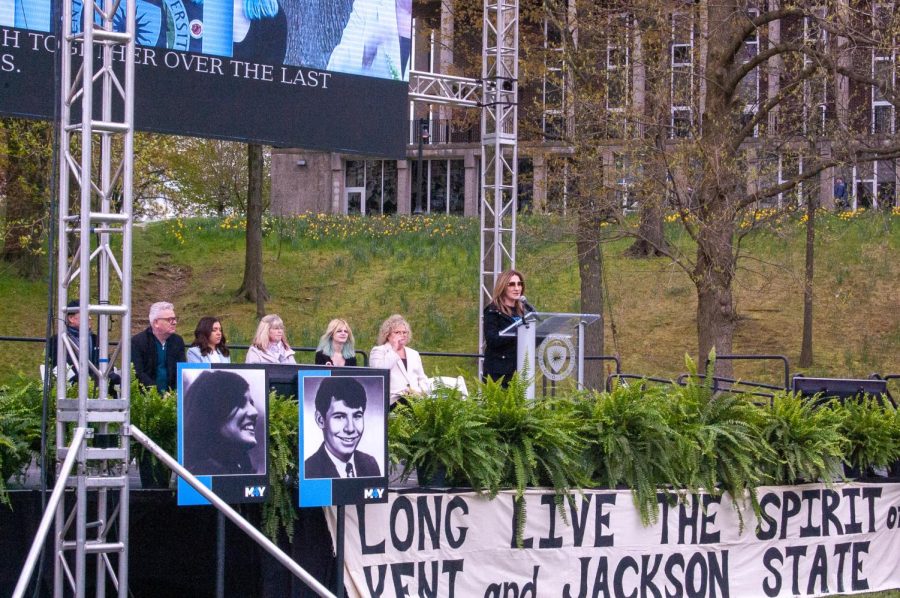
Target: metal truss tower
[499, 145]
[497, 95]
[94, 266]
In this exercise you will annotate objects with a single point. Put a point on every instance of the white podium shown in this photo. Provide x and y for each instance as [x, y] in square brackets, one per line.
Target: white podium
[551, 344]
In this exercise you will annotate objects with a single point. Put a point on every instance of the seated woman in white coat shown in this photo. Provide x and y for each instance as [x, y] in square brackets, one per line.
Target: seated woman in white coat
[270, 345]
[392, 353]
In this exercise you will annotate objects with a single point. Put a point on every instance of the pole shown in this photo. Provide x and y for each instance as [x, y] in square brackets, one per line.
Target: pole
[339, 551]
[418, 208]
[49, 512]
[220, 555]
[233, 515]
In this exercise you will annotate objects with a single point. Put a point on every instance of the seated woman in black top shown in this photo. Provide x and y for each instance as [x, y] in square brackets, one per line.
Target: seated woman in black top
[336, 345]
[506, 307]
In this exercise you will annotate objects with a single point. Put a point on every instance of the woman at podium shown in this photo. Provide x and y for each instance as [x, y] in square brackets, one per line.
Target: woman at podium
[507, 306]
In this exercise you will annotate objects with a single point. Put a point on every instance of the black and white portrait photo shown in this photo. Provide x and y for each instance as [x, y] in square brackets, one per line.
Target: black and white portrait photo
[343, 427]
[224, 422]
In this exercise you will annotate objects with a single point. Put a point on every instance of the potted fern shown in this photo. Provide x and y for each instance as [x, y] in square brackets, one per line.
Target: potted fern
[156, 415]
[805, 438]
[540, 442]
[629, 442]
[20, 430]
[869, 425]
[446, 441]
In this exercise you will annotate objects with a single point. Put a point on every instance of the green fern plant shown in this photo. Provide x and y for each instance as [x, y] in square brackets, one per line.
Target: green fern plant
[279, 512]
[540, 442]
[868, 424]
[157, 416]
[719, 445]
[20, 431]
[445, 431]
[806, 440]
[630, 442]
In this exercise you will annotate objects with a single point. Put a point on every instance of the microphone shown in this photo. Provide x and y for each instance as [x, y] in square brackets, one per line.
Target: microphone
[525, 304]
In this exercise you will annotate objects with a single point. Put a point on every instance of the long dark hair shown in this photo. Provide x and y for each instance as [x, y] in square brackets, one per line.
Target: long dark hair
[208, 403]
[201, 336]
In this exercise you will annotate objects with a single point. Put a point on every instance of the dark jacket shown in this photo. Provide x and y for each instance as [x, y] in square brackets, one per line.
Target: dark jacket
[499, 351]
[320, 465]
[94, 357]
[143, 356]
[322, 359]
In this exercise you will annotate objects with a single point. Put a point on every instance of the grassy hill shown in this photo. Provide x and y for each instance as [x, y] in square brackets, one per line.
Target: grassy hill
[363, 269]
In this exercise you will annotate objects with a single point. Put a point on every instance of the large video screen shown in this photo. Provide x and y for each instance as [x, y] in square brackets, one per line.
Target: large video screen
[318, 74]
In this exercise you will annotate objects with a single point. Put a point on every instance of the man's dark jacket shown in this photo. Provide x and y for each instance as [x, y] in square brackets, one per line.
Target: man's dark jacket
[143, 356]
[94, 357]
[320, 465]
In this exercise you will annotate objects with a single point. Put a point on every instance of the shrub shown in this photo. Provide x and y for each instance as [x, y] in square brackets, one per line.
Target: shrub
[280, 511]
[719, 445]
[539, 441]
[806, 440]
[445, 431]
[868, 424]
[20, 430]
[629, 442]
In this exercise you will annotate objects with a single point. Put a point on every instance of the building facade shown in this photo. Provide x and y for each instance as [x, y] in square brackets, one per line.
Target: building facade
[441, 171]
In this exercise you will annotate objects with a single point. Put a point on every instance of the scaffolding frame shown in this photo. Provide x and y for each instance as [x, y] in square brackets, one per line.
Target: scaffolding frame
[96, 166]
[499, 147]
[496, 93]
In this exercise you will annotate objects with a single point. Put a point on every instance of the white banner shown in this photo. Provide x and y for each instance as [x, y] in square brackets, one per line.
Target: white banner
[812, 540]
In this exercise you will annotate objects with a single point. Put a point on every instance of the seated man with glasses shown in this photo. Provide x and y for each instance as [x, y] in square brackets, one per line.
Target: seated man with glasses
[156, 351]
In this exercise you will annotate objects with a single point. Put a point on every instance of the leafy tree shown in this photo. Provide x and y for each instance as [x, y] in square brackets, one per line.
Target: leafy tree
[210, 176]
[25, 157]
[706, 93]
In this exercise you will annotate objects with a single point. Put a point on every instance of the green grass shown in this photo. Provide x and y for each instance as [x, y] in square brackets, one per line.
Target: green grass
[319, 267]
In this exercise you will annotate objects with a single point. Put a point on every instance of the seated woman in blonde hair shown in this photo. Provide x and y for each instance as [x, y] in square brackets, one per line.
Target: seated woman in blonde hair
[336, 345]
[270, 345]
[392, 353]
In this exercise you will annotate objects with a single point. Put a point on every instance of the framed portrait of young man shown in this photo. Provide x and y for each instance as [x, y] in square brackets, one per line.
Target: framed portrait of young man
[343, 436]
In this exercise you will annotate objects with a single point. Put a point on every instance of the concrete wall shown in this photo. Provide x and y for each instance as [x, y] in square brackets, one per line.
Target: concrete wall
[304, 181]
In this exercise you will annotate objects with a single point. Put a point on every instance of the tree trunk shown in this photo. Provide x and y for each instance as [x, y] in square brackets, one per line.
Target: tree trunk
[806, 347]
[253, 288]
[651, 239]
[713, 275]
[590, 270]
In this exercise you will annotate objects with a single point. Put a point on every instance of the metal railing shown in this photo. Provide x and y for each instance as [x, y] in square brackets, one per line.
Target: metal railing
[31, 339]
[444, 131]
[233, 515]
[49, 512]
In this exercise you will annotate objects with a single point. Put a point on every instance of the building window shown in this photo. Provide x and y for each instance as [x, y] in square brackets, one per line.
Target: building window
[370, 187]
[443, 186]
[557, 183]
[776, 169]
[617, 70]
[748, 88]
[815, 88]
[553, 92]
[525, 184]
[624, 192]
[682, 77]
[874, 185]
[884, 72]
